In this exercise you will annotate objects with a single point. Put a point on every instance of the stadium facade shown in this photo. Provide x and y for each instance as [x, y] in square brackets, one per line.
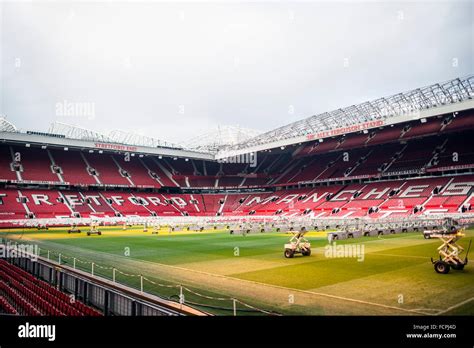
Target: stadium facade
[406, 155]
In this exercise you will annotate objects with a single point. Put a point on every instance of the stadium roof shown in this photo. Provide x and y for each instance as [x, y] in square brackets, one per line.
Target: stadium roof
[69, 136]
[369, 114]
[114, 136]
[6, 126]
[441, 98]
[221, 138]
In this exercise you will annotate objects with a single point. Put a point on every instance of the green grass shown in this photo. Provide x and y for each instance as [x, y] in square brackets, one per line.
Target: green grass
[396, 276]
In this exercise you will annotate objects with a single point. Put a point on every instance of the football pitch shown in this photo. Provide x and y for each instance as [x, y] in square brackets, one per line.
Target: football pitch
[386, 275]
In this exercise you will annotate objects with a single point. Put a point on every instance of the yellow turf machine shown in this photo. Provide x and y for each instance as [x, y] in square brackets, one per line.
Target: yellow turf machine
[298, 245]
[450, 250]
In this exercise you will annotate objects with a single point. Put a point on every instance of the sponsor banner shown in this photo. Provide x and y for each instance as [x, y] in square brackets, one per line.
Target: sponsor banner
[199, 187]
[239, 175]
[38, 182]
[336, 179]
[344, 130]
[219, 187]
[115, 185]
[107, 146]
[404, 172]
[461, 166]
[251, 175]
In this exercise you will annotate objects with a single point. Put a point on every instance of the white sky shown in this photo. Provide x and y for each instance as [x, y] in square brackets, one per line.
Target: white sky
[174, 70]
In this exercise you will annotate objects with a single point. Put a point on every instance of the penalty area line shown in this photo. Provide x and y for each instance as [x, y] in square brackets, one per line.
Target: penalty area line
[287, 288]
[455, 306]
[400, 256]
[108, 255]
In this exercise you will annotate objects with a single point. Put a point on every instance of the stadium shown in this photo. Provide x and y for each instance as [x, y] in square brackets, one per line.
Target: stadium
[341, 213]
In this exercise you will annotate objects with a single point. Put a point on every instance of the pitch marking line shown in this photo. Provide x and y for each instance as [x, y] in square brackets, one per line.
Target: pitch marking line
[280, 287]
[296, 290]
[401, 256]
[455, 306]
[275, 286]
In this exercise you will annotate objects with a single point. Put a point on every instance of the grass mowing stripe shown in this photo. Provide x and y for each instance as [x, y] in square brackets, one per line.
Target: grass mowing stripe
[394, 264]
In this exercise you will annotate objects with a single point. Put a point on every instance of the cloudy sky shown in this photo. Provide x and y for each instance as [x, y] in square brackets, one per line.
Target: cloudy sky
[175, 70]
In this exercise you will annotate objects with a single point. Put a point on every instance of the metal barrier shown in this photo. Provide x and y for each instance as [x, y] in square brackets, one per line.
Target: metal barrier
[108, 300]
[255, 223]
